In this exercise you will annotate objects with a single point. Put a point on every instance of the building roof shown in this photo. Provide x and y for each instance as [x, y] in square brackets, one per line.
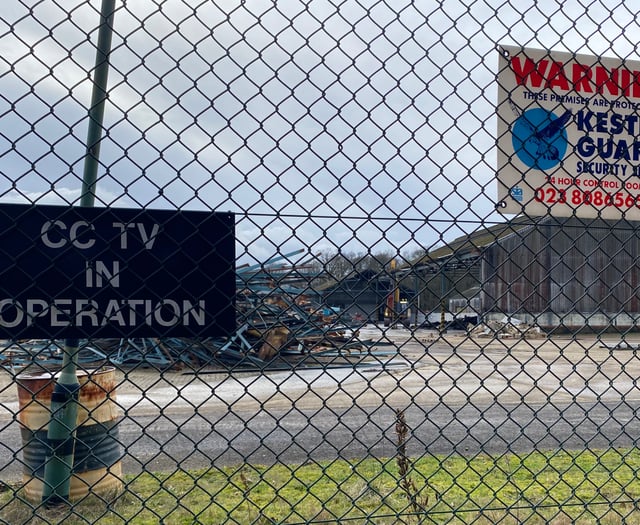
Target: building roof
[470, 245]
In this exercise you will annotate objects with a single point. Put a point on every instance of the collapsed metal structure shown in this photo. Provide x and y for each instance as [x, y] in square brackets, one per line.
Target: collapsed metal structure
[280, 324]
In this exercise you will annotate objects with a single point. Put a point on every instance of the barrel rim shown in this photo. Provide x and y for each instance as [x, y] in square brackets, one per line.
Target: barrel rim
[53, 374]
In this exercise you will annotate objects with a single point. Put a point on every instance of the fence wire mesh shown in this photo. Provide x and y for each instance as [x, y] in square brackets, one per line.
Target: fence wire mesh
[392, 350]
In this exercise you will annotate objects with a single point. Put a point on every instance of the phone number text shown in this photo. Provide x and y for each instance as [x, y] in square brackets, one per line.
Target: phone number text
[577, 197]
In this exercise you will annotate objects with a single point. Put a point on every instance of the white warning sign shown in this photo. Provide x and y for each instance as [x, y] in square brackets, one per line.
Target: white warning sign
[567, 134]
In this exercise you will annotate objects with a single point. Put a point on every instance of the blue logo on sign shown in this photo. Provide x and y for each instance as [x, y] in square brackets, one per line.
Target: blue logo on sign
[517, 193]
[540, 138]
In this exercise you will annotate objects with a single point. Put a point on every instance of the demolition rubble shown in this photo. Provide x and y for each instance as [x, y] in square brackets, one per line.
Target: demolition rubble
[507, 328]
[278, 326]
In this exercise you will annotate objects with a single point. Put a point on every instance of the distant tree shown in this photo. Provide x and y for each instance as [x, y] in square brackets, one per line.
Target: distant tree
[336, 265]
[369, 261]
[330, 264]
[415, 255]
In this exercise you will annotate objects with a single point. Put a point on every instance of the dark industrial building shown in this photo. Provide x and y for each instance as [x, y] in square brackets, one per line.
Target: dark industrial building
[361, 295]
[564, 274]
[366, 295]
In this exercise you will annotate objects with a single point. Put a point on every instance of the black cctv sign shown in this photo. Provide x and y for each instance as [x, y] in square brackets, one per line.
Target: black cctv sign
[113, 272]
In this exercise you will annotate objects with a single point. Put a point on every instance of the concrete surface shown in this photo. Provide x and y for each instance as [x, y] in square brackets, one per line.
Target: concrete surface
[451, 368]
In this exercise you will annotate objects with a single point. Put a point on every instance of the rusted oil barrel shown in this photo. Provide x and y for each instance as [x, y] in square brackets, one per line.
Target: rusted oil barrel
[97, 465]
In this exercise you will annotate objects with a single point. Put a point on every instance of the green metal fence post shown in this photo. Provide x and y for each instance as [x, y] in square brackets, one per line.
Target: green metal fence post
[61, 432]
[64, 406]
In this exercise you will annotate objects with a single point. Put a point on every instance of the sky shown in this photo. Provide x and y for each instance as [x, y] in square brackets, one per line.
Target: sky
[360, 126]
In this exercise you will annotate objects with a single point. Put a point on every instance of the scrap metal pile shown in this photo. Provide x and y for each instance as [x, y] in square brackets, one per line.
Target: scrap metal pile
[279, 325]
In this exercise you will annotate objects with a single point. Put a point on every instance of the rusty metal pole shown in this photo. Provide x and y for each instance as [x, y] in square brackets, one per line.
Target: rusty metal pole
[64, 399]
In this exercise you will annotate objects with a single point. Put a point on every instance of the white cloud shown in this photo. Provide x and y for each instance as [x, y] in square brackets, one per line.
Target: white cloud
[375, 118]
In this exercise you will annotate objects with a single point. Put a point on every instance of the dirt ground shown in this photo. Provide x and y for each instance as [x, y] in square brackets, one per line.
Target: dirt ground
[407, 366]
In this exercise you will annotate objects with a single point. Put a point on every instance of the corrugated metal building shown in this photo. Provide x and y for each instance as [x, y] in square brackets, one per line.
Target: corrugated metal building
[361, 295]
[365, 295]
[560, 273]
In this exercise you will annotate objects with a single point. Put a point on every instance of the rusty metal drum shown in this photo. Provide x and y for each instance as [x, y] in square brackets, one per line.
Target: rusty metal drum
[97, 457]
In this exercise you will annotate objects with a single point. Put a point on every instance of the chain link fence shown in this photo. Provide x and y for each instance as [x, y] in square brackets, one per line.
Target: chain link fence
[293, 296]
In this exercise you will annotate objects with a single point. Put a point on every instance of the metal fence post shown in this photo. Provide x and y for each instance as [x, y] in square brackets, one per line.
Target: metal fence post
[64, 407]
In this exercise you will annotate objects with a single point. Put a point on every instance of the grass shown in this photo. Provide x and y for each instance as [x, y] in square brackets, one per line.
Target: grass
[536, 488]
